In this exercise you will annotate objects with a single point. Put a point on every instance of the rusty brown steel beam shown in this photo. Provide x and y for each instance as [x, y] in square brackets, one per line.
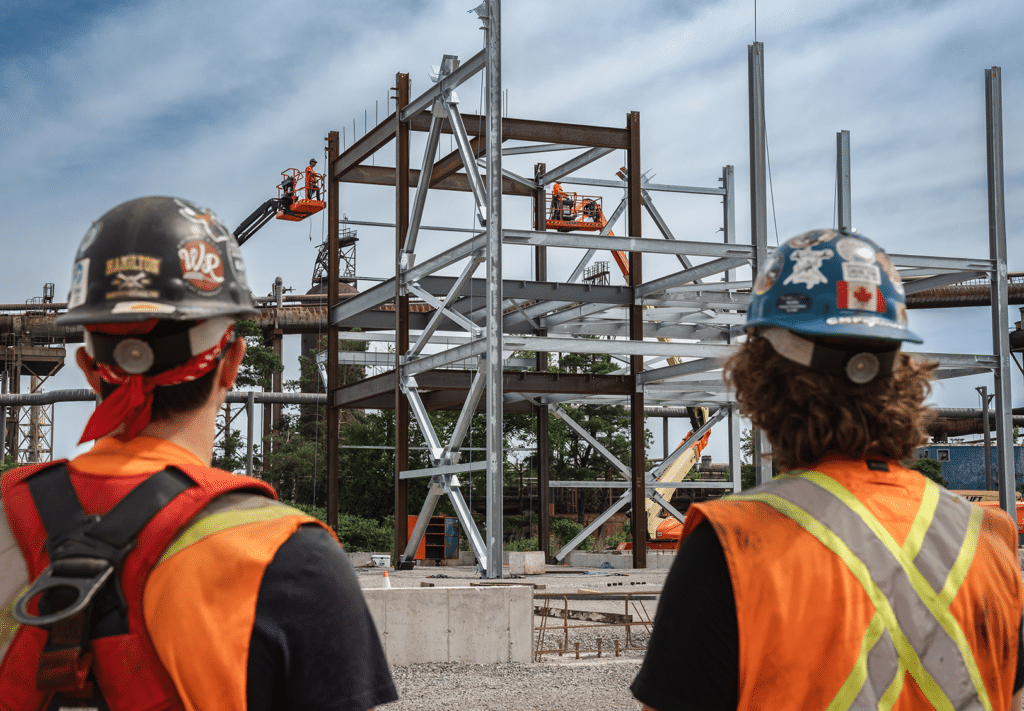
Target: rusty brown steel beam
[377, 138]
[381, 175]
[513, 129]
[452, 163]
[458, 382]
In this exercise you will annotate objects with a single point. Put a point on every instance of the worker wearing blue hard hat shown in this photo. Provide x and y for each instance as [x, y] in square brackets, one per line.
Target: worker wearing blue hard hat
[849, 581]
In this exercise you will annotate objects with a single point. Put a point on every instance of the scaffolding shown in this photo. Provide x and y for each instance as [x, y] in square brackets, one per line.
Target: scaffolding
[692, 316]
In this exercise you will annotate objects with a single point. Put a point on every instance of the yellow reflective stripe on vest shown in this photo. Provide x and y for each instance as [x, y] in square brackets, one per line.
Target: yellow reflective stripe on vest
[936, 601]
[925, 512]
[9, 625]
[859, 570]
[855, 681]
[224, 520]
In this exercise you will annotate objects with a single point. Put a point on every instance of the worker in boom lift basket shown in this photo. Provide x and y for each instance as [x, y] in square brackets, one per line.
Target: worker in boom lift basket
[849, 581]
[312, 181]
[155, 581]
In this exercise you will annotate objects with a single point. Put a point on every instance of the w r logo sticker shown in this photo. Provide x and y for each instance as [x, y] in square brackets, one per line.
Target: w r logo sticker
[201, 265]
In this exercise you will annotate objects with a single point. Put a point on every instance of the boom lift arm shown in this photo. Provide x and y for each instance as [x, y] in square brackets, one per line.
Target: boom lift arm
[289, 203]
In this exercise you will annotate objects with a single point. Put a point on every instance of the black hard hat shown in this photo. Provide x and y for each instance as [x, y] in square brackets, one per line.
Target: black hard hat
[157, 257]
[312, 161]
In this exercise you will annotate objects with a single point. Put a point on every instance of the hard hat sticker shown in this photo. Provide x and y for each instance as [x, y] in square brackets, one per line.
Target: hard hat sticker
[79, 283]
[239, 264]
[807, 270]
[863, 321]
[859, 296]
[768, 275]
[793, 303]
[204, 219]
[90, 237]
[809, 239]
[201, 265]
[853, 271]
[890, 271]
[141, 307]
[133, 263]
[856, 250]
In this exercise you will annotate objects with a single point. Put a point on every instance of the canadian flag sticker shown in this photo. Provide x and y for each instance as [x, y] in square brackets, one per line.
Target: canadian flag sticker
[859, 296]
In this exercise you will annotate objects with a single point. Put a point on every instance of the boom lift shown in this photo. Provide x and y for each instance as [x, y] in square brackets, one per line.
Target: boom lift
[299, 195]
[568, 212]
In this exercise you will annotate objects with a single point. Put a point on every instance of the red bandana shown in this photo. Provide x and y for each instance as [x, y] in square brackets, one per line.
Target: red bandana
[132, 405]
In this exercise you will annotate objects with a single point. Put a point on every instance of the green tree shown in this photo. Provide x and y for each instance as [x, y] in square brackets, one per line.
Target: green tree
[8, 463]
[573, 457]
[931, 469]
[261, 363]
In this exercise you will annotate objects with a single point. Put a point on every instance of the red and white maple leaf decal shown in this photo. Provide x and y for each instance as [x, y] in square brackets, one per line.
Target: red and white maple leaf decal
[859, 296]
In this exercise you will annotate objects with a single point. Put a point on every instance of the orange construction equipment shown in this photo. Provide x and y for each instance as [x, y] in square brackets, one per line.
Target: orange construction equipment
[294, 207]
[569, 212]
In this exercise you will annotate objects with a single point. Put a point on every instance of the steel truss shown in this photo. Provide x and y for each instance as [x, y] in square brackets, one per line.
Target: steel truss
[701, 315]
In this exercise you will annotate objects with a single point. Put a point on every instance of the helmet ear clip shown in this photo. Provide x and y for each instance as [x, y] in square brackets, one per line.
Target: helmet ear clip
[857, 366]
[134, 356]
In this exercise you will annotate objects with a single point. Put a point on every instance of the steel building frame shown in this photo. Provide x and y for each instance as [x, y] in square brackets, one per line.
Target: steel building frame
[544, 316]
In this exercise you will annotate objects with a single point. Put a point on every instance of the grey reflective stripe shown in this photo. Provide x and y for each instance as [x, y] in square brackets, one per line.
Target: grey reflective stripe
[883, 666]
[943, 540]
[938, 652]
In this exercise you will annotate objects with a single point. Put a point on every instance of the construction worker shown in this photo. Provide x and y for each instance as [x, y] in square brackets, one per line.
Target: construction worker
[155, 581]
[849, 581]
[312, 181]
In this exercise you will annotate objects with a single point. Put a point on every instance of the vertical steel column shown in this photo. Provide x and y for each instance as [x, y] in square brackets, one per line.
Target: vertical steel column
[758, 207]
[638, 489]
[1000, 286]
[735, 452]
[333, 274]
[401, 318]
[540, 255]
[987, 430]
[843, 180]
[729, 209]
[494, 395]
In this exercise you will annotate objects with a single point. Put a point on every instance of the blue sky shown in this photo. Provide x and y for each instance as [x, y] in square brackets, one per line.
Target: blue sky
[102, 102]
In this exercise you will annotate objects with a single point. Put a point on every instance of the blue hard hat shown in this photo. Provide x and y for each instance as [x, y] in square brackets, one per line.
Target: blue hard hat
[834, 283]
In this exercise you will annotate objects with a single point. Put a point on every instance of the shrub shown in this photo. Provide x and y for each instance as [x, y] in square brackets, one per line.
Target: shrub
[354, 532]
[565, 529]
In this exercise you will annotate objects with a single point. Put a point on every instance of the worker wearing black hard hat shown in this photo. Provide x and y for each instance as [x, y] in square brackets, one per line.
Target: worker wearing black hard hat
[193, 587]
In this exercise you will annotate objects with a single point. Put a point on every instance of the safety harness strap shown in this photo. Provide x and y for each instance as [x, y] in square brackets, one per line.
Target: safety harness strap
[922, 577]
[86, 553]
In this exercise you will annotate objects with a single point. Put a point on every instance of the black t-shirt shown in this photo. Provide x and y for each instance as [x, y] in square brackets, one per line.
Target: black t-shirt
[692, 661]
[314, 646]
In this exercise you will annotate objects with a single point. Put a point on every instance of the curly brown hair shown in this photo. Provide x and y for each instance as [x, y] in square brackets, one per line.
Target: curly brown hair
[807, 414]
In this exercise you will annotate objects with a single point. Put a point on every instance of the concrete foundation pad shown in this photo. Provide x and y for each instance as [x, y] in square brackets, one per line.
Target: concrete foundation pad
[479, 625]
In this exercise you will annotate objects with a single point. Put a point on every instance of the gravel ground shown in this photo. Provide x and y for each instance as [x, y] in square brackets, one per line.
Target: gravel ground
[591, 684]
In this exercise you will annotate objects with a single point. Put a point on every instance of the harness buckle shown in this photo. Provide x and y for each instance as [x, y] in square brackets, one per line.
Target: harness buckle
[82, 576]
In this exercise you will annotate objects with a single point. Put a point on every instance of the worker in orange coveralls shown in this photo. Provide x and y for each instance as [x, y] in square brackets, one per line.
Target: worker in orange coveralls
[849, 581]
[136, 576]
[312, 181]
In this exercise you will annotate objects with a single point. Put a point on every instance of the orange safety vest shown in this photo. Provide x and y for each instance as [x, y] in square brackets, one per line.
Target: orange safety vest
[311, 178]
[140, 670]
[860, 589]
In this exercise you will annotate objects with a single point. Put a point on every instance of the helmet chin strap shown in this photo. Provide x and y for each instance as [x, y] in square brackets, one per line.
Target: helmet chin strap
[858, 365]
